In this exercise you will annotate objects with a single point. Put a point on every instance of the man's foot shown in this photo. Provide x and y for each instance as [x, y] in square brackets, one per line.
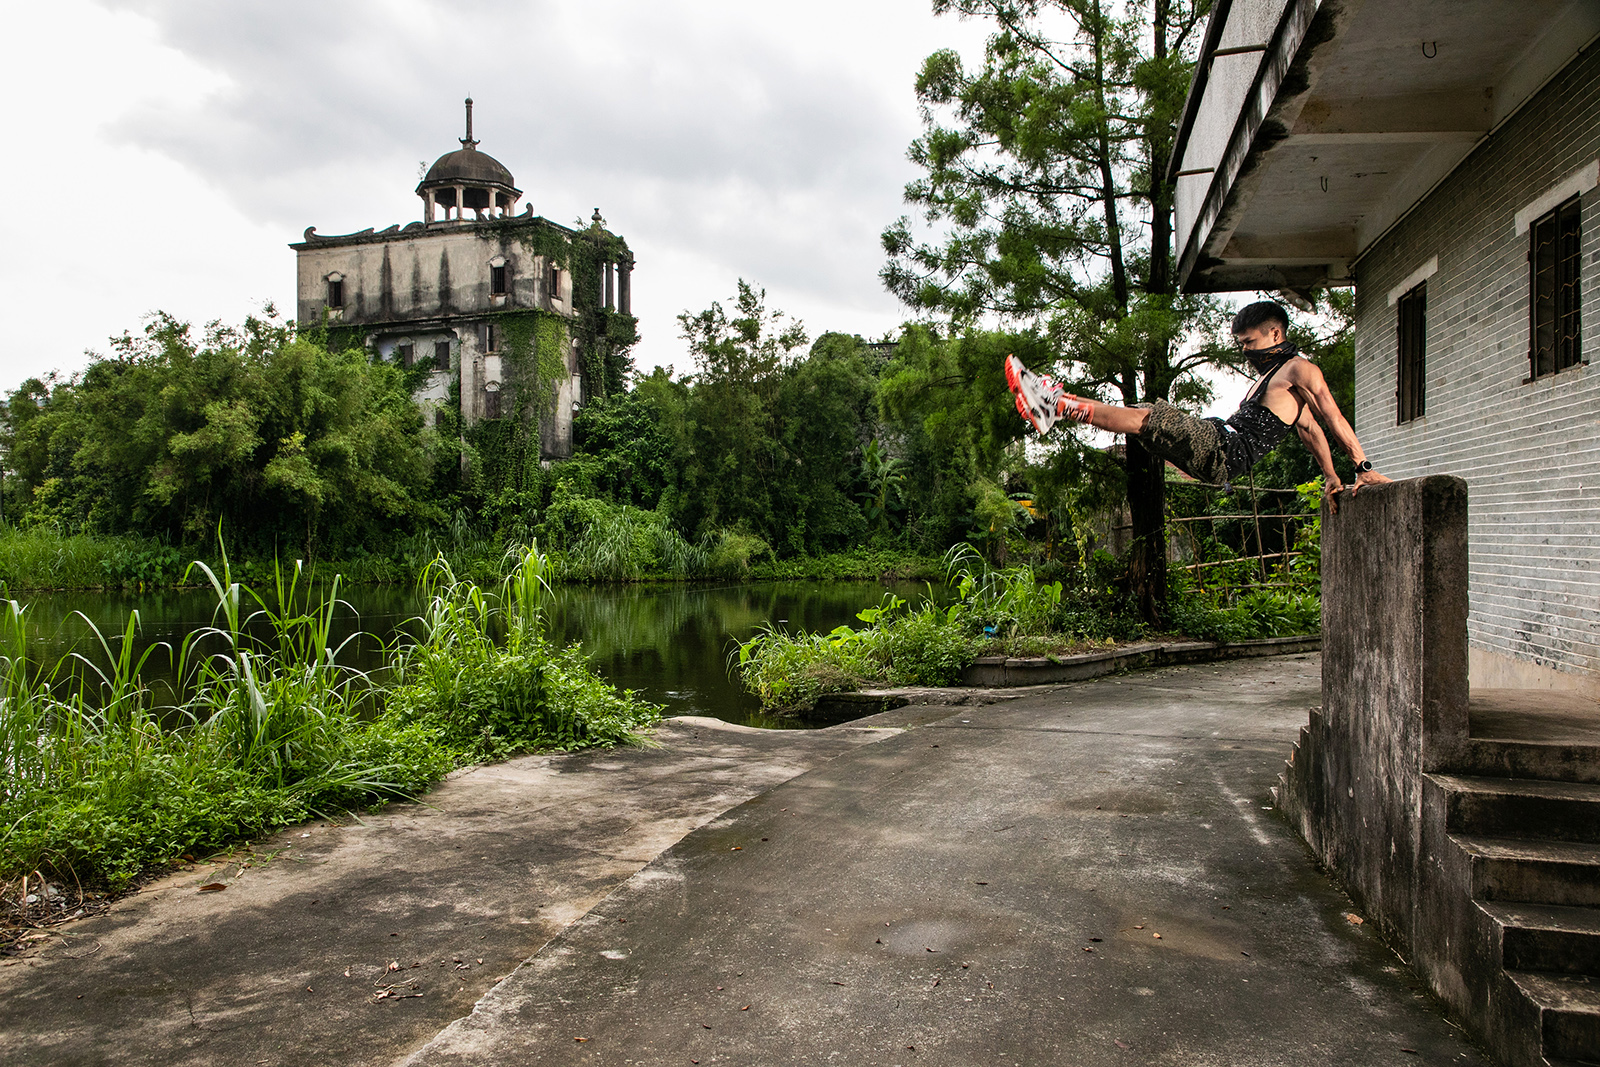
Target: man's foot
[1041, 401]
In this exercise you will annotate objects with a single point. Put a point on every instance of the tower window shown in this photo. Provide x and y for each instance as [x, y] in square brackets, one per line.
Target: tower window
[491, 338]
[441, 355]
[555, 283]
[491, 400]
[497, 281]
[406, 354]
[1413, 331]
[1553, 315]
[336, 292]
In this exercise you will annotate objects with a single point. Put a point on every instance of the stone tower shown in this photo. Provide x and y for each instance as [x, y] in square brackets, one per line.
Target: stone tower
[512, 316]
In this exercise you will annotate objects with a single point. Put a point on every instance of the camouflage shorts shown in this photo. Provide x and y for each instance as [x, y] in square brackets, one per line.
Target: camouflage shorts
[1195, 445]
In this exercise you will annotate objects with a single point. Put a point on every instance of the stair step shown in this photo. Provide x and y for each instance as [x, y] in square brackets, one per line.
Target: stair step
[1552, 760]
[1546, 937]
[1525, 807]
[1569, 1013]
[1539, 872]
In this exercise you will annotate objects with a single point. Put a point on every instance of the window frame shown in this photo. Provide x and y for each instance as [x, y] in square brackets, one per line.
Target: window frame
[1555, 290]
[499, 280]
[334, 298]
[1411, 351]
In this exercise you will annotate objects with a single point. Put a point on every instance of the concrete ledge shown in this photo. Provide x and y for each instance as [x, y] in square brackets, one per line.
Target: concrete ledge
[999, 671]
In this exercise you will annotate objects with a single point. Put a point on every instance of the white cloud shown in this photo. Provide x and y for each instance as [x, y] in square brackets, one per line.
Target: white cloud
[194, 140]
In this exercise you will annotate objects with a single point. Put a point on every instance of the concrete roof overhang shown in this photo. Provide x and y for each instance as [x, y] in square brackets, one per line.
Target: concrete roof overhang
[1312, 127]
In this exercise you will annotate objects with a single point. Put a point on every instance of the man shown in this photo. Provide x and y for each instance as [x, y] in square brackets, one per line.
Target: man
[1288, 393]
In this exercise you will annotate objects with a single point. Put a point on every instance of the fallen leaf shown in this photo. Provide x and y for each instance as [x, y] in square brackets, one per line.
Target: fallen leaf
[1139, 927]
[394, 965]
[1353, 919]
[737, 848]
[580, 1040]
[1412, 1051]
[1086, 948]
[347, 972]
[1120, 1044]
[745, 1008]
[706, 1025]
[1156, 936]
[212, 887]
[1096, 940]
[186, 858]
[1242, 952]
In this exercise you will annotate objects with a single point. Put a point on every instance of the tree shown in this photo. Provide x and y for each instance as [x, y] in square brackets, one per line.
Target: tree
[1050, 207]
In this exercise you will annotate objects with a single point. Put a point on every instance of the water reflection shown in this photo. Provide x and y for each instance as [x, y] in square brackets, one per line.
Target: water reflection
[670, 643]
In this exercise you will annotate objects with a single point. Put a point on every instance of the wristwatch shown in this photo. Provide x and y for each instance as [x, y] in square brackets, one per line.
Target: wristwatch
[1364, 466]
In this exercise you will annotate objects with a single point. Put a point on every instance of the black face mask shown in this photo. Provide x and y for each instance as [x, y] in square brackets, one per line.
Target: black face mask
[1265, 359]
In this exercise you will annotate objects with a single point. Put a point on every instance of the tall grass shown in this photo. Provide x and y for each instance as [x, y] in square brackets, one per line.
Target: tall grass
[100, 777]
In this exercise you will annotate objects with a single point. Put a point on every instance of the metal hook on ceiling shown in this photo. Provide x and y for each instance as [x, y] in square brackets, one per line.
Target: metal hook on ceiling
[1324, 180]
[1427, 54]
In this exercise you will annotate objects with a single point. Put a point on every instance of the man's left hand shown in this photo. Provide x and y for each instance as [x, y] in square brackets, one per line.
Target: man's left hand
[1368, 478]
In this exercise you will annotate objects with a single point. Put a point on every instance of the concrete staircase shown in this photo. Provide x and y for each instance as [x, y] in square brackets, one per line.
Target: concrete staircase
[1525, 855]
[1517, 821]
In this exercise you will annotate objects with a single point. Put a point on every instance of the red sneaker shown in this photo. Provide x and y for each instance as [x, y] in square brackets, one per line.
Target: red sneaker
[1041, 401]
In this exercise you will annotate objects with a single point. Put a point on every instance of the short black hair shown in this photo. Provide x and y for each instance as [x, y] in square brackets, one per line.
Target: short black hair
[1259, 314]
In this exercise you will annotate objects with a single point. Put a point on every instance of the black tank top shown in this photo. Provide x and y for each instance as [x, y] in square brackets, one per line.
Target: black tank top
[1256, 427]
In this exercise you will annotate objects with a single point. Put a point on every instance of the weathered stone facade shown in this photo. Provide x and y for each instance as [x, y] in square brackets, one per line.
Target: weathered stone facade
[455, 288]
[1528, 448]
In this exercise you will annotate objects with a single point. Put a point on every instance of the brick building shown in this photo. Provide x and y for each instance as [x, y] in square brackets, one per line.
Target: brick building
[1443, 158]
[513, 315]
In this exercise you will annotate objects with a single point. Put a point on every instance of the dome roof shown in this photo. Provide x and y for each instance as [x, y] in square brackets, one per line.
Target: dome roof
[469, 165]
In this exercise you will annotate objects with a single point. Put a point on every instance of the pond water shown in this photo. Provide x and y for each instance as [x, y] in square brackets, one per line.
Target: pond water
[668, 642]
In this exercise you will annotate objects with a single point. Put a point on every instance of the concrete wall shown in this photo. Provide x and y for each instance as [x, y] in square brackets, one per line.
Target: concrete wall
[1528, 450]
[1394, 689]
[431, 272]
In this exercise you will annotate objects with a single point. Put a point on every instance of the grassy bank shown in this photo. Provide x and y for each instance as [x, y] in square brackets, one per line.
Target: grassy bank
[100, 779]
[996, 611]
[628, 546]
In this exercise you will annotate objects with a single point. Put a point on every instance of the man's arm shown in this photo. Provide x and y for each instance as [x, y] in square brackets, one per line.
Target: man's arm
[1311, 434]
[1307, 377]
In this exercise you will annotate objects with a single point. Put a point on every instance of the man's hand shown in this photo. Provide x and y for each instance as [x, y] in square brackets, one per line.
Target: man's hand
[1368, 478]
[1331, 488]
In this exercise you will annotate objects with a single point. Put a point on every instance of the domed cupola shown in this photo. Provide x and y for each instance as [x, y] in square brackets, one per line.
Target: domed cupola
[468, 180]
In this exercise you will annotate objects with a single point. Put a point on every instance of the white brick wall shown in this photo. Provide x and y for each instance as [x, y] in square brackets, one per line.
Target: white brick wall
[1530, 451]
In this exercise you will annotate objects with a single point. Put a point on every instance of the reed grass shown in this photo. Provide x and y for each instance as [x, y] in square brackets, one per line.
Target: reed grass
[101, 777]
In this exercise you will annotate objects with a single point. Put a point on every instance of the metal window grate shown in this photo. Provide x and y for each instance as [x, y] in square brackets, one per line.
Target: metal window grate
[335, 293]
[497, 281]
[441, 355]
[1411, 395]
[407, 354]
[1553, 262]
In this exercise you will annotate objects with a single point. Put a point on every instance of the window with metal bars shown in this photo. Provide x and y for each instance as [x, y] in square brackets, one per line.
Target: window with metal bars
[441, 355]
[1411, 395]
[336, 292]
[497, 281]
[407, 354]
[1553, 265]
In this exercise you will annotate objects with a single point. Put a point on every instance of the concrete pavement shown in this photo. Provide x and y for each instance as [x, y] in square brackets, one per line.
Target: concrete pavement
[1086, 876]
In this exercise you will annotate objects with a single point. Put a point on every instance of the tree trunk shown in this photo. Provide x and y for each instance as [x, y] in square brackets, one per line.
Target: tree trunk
[1147, 473]
[1147, 555]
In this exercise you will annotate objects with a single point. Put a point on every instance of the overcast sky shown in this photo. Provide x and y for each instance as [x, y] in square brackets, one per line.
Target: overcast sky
[165, 152]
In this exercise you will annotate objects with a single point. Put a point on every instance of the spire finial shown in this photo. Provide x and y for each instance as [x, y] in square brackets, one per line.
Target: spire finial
[467, 141]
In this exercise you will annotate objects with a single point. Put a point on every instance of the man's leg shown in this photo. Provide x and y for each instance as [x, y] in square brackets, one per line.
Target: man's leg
[1111, 417]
